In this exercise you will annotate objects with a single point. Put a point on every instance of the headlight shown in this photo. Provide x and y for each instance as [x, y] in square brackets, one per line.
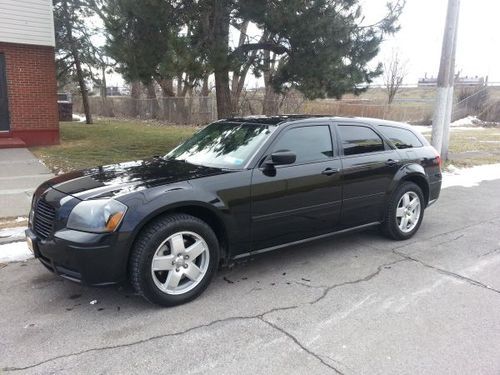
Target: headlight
[98, 216]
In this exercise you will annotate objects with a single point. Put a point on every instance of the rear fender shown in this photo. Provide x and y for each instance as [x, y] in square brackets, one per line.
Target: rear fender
[410, 172]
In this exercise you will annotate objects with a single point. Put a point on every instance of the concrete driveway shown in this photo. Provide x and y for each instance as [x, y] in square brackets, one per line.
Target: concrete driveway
[20, 174]
[356, 304]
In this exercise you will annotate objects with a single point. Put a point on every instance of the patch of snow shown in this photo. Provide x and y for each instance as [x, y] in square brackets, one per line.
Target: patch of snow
[427, 129]
[422, 129]
[12, 232]
[462, 128]
[15, 252]
[466, 121]
[79, 118]
[469, 177]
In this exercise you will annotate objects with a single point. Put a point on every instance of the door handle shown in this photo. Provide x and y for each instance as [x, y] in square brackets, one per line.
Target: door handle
[391, 162]
[330, 171]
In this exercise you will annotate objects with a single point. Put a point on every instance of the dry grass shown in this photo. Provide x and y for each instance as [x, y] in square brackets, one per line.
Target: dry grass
[11, 222]
[110, 141]
[471, 146]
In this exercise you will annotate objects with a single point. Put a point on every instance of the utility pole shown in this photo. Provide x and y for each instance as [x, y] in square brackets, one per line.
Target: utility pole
[445, 82]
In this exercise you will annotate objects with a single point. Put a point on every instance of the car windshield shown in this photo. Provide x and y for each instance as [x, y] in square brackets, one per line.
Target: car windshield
[223, 144]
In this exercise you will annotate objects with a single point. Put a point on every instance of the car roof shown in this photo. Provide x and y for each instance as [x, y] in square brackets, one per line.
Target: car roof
[286, 119]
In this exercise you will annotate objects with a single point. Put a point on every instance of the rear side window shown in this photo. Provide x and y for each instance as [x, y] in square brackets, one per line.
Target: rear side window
[401, 138]
[310, 143]
[360, 140]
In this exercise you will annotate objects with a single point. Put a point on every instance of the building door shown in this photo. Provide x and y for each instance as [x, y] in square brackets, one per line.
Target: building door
[4, 103]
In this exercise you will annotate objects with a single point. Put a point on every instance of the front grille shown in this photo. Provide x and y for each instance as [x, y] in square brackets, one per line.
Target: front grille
[44, 219]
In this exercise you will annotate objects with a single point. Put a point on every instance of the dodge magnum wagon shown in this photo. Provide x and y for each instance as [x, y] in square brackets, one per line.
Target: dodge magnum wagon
[238, 187]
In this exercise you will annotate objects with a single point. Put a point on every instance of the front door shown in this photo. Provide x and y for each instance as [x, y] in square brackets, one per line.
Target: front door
[4, 104]
[301, 200]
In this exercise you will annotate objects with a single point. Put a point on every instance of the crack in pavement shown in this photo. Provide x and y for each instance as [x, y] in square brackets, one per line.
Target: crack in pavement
[489, 252]
[465, 227]
[446, 272]
[133, 343]
[300, 345]
[448, 241]
[326, 290]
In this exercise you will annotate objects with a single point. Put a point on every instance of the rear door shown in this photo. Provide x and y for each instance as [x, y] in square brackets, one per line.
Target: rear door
[4, 104]
[369, 166]
[300, 200]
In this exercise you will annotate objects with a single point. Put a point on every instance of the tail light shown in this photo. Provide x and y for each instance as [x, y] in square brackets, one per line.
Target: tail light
[438, 159]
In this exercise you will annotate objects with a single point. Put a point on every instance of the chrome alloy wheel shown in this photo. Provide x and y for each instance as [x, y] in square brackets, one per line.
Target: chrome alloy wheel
[408, 211]
[180, 263]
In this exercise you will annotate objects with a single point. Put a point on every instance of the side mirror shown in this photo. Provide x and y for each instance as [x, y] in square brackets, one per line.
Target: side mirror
[282, 157]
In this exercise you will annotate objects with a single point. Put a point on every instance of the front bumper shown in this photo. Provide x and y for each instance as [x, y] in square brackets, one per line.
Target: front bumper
[87, 258]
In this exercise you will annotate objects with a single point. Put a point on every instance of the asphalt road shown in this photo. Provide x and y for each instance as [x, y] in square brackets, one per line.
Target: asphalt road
[356, 304]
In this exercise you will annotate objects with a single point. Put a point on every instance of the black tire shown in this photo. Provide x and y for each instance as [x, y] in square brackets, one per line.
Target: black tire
[390, 226]
[145, 247]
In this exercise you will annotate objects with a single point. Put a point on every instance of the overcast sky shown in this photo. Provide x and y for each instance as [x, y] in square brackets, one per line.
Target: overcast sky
[421, 35]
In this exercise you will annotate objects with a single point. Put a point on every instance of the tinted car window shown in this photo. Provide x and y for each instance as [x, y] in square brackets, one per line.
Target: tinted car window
[360, 140]
[223, 144]
[401, 138]
[310, 143]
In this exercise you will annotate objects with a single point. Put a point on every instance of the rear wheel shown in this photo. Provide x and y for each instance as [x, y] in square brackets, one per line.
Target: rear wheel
[174, 260]
[404, 212]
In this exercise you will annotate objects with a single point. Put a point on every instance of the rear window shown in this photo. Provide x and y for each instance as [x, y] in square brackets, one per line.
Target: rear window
[360, 140]
[401, 138]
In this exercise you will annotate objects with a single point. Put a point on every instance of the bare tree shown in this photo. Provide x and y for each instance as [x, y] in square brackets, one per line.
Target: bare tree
[394, 74]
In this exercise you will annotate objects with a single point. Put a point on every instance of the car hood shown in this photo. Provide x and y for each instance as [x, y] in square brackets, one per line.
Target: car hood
[118, 179]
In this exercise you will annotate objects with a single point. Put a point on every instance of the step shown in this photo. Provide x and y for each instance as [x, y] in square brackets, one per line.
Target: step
[11, 143]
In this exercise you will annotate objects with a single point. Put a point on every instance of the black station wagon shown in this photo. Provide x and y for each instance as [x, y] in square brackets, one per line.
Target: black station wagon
[238, 187]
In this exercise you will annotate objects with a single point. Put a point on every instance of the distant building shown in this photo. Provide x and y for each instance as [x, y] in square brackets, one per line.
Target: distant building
[117, 91]
[28, 87]
[459, 81]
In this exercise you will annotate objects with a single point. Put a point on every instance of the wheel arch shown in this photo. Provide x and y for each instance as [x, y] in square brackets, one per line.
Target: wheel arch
[412, 173]
[200, 210]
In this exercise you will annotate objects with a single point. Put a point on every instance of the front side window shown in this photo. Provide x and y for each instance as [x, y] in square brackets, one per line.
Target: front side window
[360, 140]
[309, 143]
[223, 144]
[401, 138]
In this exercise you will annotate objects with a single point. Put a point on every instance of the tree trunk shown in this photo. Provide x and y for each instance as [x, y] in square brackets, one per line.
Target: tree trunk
[270, 106]
[204, 109]
[271, 103]
[180, 104]
[219, 57]
[167, 89]
[152, 101]
[135, 93]
[78, 65]
[83, 88]
[106, 109]
[223, 94]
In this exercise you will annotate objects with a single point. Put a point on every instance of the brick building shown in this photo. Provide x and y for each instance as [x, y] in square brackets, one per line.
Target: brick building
[28, 87]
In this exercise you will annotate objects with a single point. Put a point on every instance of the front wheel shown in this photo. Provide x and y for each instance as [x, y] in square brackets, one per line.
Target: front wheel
[404, 212]
[174, 260]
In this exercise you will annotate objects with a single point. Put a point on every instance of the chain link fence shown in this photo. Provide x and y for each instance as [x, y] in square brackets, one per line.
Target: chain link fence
[203, 109]
[190, 110]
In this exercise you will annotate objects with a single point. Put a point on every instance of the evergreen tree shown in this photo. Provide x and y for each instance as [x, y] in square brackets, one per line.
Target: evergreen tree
[75, 53]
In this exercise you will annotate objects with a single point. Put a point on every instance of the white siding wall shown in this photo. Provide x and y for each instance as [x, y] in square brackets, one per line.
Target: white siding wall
[27, 22]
